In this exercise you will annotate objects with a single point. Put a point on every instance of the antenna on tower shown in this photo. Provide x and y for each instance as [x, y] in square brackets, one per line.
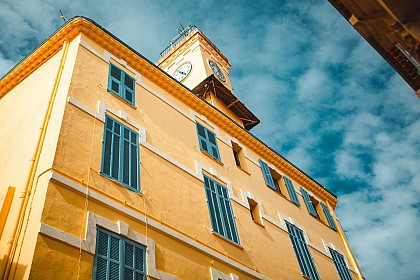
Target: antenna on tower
[62, 16]
[180, 30]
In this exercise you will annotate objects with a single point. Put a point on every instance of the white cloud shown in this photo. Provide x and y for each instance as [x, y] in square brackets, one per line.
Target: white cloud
[314, 87]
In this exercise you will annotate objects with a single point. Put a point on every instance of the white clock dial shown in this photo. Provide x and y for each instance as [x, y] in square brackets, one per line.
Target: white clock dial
[217, 71]
[182, 72]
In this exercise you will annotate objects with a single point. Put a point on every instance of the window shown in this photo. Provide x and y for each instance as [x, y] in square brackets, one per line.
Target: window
[118, 258]
[309, 203]
[340, 265]
[239, 156]
[120, 154]
[328, 216]
[255, 211]
[121, 84]
[207, 140]
[221, 214]
[237, 159]
[274, 181]
[304, 257]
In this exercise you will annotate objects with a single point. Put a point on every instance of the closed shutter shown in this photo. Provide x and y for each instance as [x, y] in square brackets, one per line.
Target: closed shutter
[207, 141]
[111, 148]
[108, 256]
[227, 214]
[340, 265]
[220, 210]
[133, 261]
[269, 181]
[214, 210]
[121, 84]
[291, 190]
[303, 255]
[328, 216]
[129, 84]
[120, 155]
[308, 202]
[117, 258]
[114, 80]
[214, 149]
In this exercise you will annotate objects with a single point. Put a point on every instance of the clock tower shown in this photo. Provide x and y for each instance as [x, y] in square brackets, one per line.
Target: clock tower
[191, 57]
[193, 60]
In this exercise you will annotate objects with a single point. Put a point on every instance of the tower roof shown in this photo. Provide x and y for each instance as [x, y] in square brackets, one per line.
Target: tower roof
[213, 85]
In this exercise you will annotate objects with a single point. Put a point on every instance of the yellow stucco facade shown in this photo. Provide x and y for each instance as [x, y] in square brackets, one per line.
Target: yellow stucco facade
[53, 195]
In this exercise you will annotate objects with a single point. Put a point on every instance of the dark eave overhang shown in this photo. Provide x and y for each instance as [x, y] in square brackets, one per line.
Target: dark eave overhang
[212, 85]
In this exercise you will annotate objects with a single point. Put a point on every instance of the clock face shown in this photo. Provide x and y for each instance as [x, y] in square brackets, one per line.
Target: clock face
[182, 72]
[217, 71]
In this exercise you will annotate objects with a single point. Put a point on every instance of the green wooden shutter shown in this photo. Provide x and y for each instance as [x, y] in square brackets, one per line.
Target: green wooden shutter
[108, 256]
[114, 79]
[291, 190]
[214, 149]
[121, 84]
[133, 261]
[207, 141]
[220, 210]
[111, 148]
[107, 146]
[202, 137]
[269, 181]
[303, 255]
[211, 195]
[308, 202]
[227, 214]
[328, 216]
[120, 154]
[340, 265]
[129, 87]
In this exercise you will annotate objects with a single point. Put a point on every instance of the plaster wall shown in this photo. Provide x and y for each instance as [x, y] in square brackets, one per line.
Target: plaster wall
[23, 111]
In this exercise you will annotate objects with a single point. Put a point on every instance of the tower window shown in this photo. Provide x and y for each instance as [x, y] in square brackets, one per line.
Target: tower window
[207, 140]
[120, 154]
[340, 265]
[121, 84]
[304, 257]
[117, 257]
[220, 209]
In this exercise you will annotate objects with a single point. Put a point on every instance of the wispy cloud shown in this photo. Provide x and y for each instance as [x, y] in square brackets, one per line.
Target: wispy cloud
[327, 101]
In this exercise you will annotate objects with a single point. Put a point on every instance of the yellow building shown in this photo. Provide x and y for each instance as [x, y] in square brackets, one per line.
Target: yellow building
[114, 168]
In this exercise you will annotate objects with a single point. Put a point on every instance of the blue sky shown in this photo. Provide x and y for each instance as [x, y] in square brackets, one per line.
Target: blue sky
[327, 101]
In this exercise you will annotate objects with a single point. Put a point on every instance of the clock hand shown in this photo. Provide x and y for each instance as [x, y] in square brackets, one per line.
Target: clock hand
[179, 71]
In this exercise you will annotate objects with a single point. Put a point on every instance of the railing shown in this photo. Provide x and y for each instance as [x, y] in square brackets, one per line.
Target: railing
[178, 38]
[409, 57]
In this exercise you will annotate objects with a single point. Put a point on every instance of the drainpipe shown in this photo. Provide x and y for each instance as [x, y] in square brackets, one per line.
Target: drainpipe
[346, 244]
[11, 251]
